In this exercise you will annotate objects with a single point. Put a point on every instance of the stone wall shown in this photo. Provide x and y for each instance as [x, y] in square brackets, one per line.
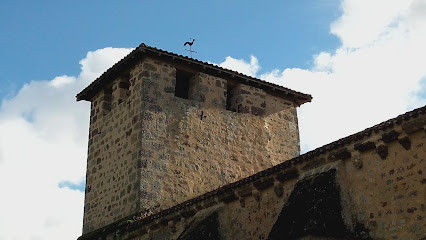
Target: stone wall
[112, 184]
[150, 150]
[370, 185]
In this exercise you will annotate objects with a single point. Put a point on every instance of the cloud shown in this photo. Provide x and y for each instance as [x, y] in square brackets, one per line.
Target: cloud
[364, 21]
[241, 66]
[43, 145]
[376, 74]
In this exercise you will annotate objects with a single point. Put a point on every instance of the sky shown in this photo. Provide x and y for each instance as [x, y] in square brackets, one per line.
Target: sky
[362, 61]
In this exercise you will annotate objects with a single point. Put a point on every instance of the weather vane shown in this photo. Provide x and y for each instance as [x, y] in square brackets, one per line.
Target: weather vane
[190, 46]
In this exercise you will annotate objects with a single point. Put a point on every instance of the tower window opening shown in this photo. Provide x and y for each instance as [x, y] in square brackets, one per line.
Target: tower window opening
[106, 99]
[123, 88]
[231, 92]
[183, 83]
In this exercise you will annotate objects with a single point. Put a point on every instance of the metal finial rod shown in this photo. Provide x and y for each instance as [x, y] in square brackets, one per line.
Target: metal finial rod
[190, 46]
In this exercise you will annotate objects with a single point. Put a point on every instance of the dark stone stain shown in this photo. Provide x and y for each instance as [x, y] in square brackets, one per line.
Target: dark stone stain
[314, 209]
[287, 175]
[341, 154]
[124, 85]
[405, 142]
[363, 147]
[206, 229]
[188, 213]
[135, 119]
[245, 191]
[263, 184]
[382, 150]
[390, 136]
[228, 197]
[94, 132]
[128, 133]
[411, 210]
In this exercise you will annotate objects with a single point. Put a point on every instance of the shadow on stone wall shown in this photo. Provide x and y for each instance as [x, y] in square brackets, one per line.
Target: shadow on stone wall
[314, 210]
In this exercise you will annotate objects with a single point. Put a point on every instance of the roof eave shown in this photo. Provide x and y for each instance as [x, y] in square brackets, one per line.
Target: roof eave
[143, 50]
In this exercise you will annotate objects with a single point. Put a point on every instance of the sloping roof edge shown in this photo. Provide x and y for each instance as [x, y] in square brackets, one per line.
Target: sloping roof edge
[144, 50]
[126, 222]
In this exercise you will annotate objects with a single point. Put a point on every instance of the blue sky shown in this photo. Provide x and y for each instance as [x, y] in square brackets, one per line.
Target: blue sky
[363, 62]
[46, 39]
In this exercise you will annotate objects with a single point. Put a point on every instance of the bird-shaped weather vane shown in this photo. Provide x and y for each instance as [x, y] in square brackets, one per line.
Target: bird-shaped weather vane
[190, 46]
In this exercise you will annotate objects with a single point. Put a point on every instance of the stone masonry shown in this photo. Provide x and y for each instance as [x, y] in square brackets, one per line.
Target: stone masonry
[370, 185]
[151, 149]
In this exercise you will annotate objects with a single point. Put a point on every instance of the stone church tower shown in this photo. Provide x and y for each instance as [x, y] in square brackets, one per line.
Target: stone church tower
[165, 128]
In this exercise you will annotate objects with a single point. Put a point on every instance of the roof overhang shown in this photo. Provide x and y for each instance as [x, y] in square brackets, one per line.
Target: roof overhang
[143, 51]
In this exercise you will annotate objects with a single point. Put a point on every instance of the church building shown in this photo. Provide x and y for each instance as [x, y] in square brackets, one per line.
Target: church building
[184, 149]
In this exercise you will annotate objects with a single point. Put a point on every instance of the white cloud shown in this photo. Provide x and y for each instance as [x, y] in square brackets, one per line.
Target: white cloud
[375, 75]
[365, 21]
[240, 65]
[98, 61]
[43, 142]
[61, 81]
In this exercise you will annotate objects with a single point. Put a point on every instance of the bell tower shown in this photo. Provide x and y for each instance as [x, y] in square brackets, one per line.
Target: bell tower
[165, 128]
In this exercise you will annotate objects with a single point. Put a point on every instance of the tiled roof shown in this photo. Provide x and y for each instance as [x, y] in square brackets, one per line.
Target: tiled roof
[144, 50]
[414, 115]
